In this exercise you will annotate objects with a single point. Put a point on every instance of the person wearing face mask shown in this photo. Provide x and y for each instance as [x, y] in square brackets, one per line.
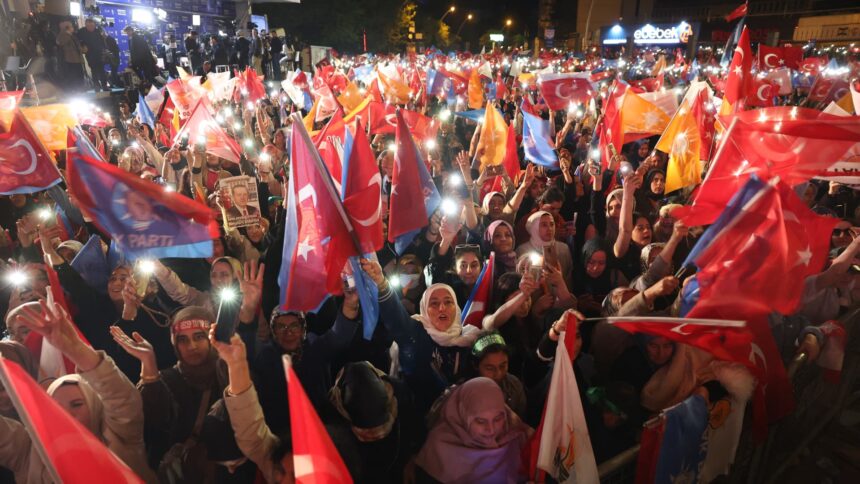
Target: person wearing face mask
[98, 396]
[176, 399]
[477, 438]
[412, 285]
[433, 346]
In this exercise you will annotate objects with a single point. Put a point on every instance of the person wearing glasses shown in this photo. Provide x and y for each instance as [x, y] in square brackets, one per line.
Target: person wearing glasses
[311, 354]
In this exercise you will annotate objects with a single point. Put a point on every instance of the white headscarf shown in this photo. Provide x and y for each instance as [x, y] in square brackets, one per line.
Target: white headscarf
[456, 334]
[533, 228]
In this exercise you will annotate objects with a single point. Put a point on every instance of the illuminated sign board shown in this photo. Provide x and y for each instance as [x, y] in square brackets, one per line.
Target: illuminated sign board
[497, 38]
[673, 34]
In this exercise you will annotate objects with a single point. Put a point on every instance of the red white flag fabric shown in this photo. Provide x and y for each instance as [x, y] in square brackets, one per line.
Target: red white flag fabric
[760, 92]
[201, 124]
[793, 143]
[739, 75]
[476, 307]
[782, 79]
[564, 450]
[185, 95]
[770, 57]
[331, 142]
[70, 452]
[315, 458]
[25, 164]
[738, 12]
[812, 65]
[559, 90]
[9, 101]
[362, 193]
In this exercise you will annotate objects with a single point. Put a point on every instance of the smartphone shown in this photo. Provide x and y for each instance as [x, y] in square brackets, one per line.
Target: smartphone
[682, 272]
[141, 281]
[349, 282]
[228, 317]
[536, 266]
[183, 143]
[612, 151]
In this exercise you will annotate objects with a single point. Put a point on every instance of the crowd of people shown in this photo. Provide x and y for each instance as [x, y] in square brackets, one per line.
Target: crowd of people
[427, 398]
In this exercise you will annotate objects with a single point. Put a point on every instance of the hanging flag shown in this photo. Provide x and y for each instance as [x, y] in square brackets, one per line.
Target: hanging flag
[143, 113]
[71, 452]
[790, 142]
[493, 139]
[50, 123]
[414, 196]
[478, 302]
[25, 164]
[317, 240]
[559, 90]
[476, 90]
[537, 141]
[564, 447]
[140, 216]
[9, 101]
[200, 125]
[315, 458]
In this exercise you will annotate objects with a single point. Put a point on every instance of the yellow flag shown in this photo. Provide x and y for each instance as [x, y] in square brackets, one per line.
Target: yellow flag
[50, 122]
[350, 98]
[846, 103]
[359, 110]
[312, 114]
[493, 140]
[476, 90]
[682, 142]
[644, 117]
[395, 91]
[659, 66]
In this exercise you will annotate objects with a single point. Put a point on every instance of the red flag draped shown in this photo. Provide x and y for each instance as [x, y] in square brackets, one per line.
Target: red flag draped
[363, 193]
[25, 164]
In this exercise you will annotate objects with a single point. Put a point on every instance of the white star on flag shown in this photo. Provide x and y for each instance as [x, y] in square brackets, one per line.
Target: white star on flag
[305, 247]
[737, 70]
[804, 256]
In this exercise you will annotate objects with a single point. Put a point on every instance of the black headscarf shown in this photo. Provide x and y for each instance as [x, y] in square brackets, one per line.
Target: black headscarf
[585, 284]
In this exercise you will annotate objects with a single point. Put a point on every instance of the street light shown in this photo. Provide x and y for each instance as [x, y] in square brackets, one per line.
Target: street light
[450, 10]
[508, 22]
[468, 17]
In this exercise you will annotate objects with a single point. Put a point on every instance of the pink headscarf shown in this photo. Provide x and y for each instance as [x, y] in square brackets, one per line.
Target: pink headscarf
[453, 455]
[508, 261]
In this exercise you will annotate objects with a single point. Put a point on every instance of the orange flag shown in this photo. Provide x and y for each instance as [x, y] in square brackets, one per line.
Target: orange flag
[476, 90]
[350, 98]
[51, 123]
[646, 114]
[492, 143]
[682, 140]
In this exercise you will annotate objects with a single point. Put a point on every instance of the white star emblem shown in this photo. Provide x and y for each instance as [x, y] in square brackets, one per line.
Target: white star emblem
[790, 216]
[737, 70]
[804, 257]
[781, 62]
[651, 119]
[305, 247]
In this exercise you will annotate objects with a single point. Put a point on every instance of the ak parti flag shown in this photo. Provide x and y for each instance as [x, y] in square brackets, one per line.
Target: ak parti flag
[315, 458]
[687, 138]
[140, 216]
[646, 114]
[25, 164]
[71, 452]
[492, 143]
[185, 95]
[50, 123]
[414, 196]
[476, 90]
[476, 307]
[350, 98]
[201, 124]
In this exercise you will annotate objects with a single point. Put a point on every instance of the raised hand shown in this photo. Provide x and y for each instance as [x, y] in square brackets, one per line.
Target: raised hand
[251, 286]
[232, 353]
[374, 270]
[135, 345]
[55, 325]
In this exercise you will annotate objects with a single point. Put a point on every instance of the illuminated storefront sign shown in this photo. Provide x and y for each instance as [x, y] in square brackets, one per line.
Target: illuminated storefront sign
[673, 34]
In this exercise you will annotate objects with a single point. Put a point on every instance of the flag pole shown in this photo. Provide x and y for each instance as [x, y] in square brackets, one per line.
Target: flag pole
[329, 184]
[25, 418]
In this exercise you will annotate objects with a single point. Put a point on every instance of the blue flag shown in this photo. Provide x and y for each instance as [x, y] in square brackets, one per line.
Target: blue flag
[141, 217]
[732, 43]
[143, 113]
[537, 142]
[368, 297]
[681, 452]
[92, 265]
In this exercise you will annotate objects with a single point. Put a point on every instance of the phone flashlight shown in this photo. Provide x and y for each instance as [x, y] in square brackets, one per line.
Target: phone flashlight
[455, 180]
[449, 207]
[536, 265]
[17, 278]
[44, 214]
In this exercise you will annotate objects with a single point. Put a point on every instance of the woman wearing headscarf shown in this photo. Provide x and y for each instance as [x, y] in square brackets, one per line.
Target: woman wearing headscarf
[595, 276]
[649, 197]
[492, 358]
[176, 400]
[499, 238]
[433, 345]
[541, 227]
[477, 438]
[634, 231]
[98, 396]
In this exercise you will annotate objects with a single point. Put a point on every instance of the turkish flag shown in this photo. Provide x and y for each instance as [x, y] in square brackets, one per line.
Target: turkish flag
[25, 164]
[770, 57]
[812, 65]
[559, 90]
[738, 12]
[382, 119]
[71, 452]
[650, 84]
[363, 193]
[793, 56]
[202, 124]
[826, 89]
[760, 92]
[315, 458]
[792, 143]
[781, 78]
[739, 73]
[331, 143]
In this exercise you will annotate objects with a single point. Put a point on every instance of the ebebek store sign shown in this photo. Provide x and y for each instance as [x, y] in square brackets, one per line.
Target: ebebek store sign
[673, 34]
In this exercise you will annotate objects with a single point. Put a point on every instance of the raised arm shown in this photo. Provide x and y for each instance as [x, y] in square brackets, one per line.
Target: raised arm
[504, 313]
[625, 229]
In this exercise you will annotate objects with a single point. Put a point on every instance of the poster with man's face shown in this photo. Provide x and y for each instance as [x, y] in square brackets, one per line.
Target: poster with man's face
[240, 204]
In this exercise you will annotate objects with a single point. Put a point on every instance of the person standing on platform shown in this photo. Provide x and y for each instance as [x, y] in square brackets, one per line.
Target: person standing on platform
[91, 38]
